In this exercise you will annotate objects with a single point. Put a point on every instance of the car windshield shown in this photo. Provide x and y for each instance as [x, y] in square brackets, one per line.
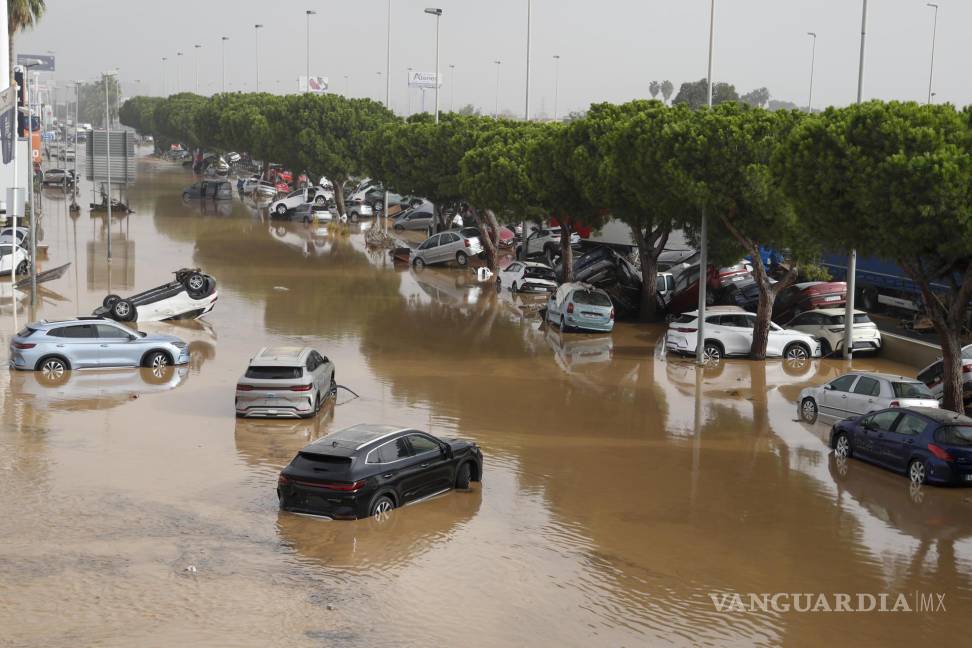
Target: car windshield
[274, 373]
[591, 297]
[859, 318]
[956, 435]
[540, 273]
[911, 390]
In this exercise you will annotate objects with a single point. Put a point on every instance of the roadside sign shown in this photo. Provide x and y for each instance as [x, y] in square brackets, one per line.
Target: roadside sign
[45, 62]
[423, 80]
[318, 84]
[8, 122]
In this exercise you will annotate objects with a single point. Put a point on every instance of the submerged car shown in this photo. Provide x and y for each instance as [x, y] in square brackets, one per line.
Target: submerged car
[580, 306]
[807, 296]
[13, 257]
[285, 382]
[419, 218]
[368, 470]
[58, 178]
[929, 445]
[446, 247]
[858, 393]
[729, 332]
[191, 295]
[527, 276]
[827, 324]
[293, 200]
[214, 189]
[58, 346]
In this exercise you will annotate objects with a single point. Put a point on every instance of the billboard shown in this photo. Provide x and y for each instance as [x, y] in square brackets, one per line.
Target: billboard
[318, 84]
[122, 157]
[423, 80]
[45, 62]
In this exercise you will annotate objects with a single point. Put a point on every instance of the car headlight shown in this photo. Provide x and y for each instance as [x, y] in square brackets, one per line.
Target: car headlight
[179, 345]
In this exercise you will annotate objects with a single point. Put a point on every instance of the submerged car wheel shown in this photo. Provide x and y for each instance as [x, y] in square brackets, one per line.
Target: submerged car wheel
[563, 324]
[418, 263]
[917, 472]
[842, 448]
[109, 301]
[399, 227]
[462, 259]
[320, 200]
[463, 476]
[808, 410]
[52, 369]
[797, 352]
[382, 506]
[281, 209]
[157, 360]
[353, 217]
[712, 352]
[123, 310]
[185, 196]
[514, 288]
[22, 268]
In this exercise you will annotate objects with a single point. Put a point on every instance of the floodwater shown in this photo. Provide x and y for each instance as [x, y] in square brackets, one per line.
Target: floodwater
[621, 491]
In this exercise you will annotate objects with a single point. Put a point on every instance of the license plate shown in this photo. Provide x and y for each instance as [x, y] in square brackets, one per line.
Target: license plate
[271, 412]
[270, 395]
[833, 298]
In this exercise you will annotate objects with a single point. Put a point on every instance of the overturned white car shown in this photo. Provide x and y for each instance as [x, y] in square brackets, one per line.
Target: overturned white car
[191, 295]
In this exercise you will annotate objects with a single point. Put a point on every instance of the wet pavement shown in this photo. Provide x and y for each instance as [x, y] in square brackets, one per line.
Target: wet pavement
[622, 489]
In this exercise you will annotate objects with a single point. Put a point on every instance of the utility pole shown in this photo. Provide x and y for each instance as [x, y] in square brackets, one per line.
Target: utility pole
[256, 40]
[526, 108]
[438, 14]
[813, 52]
[852, 257]
[931, 71]
[222, 64]
[704, 235]
[556, 82]
[196, 72]
[452, 89]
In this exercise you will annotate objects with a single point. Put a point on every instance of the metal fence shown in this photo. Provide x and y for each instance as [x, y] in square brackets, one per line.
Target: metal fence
[122, 157]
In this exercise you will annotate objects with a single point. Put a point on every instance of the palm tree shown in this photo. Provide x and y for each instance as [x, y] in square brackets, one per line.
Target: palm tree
[21, 14]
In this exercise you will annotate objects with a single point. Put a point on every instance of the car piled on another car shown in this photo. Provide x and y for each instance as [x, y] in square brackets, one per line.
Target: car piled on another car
[527, 276]
[580, 306]
[446, 247]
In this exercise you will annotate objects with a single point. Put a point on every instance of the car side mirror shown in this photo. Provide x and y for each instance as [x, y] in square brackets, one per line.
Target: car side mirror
[446, 450]
[829, 387]
[132, 338]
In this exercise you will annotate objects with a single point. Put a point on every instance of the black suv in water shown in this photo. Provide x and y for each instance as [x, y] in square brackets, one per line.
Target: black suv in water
[368, 470]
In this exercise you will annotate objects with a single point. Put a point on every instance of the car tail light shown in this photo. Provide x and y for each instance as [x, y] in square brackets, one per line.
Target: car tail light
[940, 452]
[894, 404]
[466, 241]
[244, 388]
[24, 345]
[282, 480]
[301, 388]
[686, 330]
[612, 313]
[966, 368]
[570, 308]
[335, 486]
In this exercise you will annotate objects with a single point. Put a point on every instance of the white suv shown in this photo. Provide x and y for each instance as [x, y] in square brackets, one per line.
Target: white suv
[729, 332]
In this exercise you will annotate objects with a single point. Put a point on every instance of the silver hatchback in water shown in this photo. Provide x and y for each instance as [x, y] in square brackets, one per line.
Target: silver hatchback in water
[86, 342]
[446, 247]
[285, 382]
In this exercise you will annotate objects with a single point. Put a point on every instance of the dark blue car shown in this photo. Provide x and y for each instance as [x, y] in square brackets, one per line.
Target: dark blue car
[929, 445]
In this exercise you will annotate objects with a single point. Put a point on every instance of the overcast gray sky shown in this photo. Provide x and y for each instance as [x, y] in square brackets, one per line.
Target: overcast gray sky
[610, 49]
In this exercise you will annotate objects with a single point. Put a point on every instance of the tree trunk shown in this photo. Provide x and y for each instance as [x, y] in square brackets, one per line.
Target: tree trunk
[952, 384]
[483, 223]
[566, 252]
[648, 252]
[767, 298]
[339, 196]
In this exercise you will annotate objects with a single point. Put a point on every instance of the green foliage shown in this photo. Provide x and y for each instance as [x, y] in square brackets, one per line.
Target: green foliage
[91, 103]
[757, 98]
[695, 94]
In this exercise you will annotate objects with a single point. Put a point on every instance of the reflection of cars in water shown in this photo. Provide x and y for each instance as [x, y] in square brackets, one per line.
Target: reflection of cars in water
[285, 382]
[858, 393]
[368, 470]
[93, 389]
[309, 240]
[582, 307]
[929, 445]
[191, 295]
[575, 351]
[59, 346]
[214, 189]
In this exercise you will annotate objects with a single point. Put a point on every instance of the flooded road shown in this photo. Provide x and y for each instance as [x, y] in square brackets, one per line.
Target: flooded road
[621, 490]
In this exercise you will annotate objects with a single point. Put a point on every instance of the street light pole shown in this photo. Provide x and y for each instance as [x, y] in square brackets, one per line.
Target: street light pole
[164, 59]
[452, 89]
[931, 71]
[438, 14]
[526, 108]
[256, 40]
[704, 234]
[309, 13]
[408, 92]
[178, 72]
[196, 72]
[556, 82]
[388, 72]
[105, 78]
[222, 63]
[496, 107]
[813, 53]
[75, 189]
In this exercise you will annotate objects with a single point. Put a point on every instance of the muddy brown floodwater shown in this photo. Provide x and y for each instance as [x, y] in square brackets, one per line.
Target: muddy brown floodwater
[622, 491]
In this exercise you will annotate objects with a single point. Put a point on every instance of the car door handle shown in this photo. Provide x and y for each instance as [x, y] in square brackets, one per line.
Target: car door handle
[103, 346]
[425, 465]
[388, 475]
[909, 441]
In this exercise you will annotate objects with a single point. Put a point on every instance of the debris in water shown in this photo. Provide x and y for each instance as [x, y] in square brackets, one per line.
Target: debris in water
[191, 569]
[281, 288]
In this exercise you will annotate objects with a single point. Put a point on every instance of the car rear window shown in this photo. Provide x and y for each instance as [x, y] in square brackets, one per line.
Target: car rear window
[685, 319]
[274, 373]
[591, 298]
[26, 332]
[540, 273]
[859, 318]
[333, 460]
[956, 435]
[911, 390]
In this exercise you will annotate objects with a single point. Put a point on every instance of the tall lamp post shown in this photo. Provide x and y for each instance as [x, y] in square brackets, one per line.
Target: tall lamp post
[704, 234]
[526, 108]
[496, 107]
[74, 193]
[813, 52]
[178, 72]
[105, 77]
[256, 40]
[222, 63]
[408, 92]
[452, 88]
[438, 14]
[30, 195]
[931, 70]
[556, 82]
[196, 71]
[164, 59]
[309, 13]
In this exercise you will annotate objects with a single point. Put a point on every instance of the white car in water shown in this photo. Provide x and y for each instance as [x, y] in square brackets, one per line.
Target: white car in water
[527, 276]
[259, 188]
[729, 332]
[310, 195]
[190, 296]
[827, 324]
[13, 257]
[859, 393]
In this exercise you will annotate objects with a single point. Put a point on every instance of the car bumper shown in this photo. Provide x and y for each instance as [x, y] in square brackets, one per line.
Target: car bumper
[303, 499]
[943, 472]
[537, 288]
[678, 344]
[586, 324]
[256, 405]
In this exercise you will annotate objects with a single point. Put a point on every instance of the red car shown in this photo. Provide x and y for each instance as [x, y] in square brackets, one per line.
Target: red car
[685, 295]
[809, 296]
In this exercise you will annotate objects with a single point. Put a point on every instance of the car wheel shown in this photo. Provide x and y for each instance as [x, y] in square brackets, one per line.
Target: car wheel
[712, 351]
[52, 370]
[123, 310]
[196, 285]
[563, 324]
[842, 447]
[808, 410]
[22, 268]
[381, 507]
[399, 228]
[109, 301]
[332, 390]
[514, 288]
[320, 200]
[317, 403]
[462, 259]
[825, 348]
[499, 286]
[185, 196]
[418, 263]
[281, 210]
[463, 475]
[156, 360]
[917, 472]
[796, 351]
[353, 217]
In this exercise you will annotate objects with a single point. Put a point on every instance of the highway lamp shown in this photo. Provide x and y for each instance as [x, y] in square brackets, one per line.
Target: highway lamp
[526, 109]
[30, 195]
[408, 92]
[452, 89]
[309, 13]
[931, 70]
[438, 15]
[222, 64]
[178, 72]
[105, 78]
[813, 52]
[387, 71]
[196, 71]
[256, 40]
[704, 234]
[347, 85]
[556, 82]
[497, 63]
[164, 59]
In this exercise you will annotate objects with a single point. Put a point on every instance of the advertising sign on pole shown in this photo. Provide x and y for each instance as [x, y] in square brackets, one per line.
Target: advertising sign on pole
[424, 80]
[318, 84]
[8, 123]
[38, 62]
